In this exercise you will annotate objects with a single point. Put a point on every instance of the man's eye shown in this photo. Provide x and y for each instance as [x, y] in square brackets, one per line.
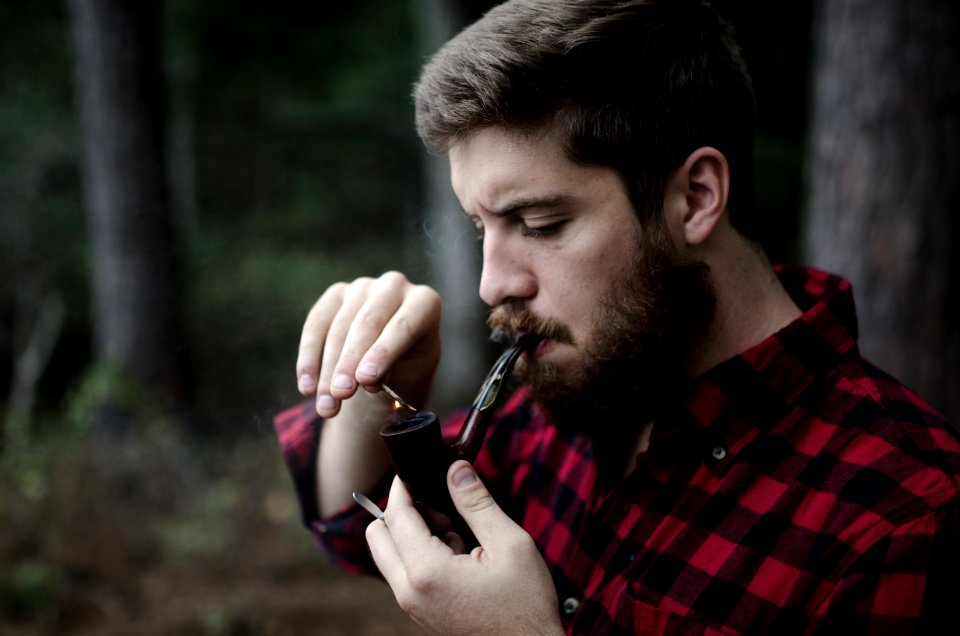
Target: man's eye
[541, 231]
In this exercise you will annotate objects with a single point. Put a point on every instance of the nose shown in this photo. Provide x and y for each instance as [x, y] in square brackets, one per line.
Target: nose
[507, 272]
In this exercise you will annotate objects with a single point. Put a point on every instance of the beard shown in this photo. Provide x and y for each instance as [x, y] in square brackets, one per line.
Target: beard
[649, 329]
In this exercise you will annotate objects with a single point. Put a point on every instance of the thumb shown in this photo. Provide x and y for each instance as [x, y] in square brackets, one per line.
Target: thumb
[475, 504]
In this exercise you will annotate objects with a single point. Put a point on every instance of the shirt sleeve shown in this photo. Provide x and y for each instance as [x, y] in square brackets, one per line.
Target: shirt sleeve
[906, 583]
[342, 536]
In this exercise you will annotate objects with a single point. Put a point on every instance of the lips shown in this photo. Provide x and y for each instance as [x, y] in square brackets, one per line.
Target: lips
[523, 323]
[540, 348]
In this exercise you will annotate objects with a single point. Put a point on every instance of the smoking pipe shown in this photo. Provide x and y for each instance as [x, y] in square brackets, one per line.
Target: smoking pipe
[420, 455]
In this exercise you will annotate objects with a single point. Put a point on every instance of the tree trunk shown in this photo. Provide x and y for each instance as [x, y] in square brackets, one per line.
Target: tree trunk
[883, 180]
[136, 277]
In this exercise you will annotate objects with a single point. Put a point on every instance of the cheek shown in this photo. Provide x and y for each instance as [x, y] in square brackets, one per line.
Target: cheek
[575, 276]
[580, 285]
[604, 262]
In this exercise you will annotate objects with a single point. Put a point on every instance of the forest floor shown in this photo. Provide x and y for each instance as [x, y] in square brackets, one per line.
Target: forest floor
[153, 535]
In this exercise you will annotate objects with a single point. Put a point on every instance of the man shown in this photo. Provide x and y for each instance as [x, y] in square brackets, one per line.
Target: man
[698, 446]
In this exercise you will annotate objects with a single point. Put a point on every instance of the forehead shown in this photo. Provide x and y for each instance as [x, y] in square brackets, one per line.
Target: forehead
[499, 156]
[491, 166]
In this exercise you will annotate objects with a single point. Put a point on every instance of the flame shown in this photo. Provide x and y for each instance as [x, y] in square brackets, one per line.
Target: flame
[401, 410]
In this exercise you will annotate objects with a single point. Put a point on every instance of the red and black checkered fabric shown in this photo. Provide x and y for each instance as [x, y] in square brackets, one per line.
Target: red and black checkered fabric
[797, 489]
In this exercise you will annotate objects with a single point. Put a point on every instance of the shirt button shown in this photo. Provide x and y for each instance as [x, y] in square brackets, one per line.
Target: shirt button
[719, 453]
[570, 606]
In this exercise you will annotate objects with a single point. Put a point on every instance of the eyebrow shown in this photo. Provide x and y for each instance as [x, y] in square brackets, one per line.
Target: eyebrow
[522, 203]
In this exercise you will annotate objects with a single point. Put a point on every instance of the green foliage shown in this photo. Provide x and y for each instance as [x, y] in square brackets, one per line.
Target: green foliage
[310, 174]
[41, 226]
[37, 137]
[102, 383]
[293, 123]
[29, 587]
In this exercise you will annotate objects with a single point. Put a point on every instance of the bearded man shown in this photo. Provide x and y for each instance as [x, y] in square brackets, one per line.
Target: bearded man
[697, 446]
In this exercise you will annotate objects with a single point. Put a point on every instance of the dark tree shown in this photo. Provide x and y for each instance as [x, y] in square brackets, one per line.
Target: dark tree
[135, 267]
[884, 165]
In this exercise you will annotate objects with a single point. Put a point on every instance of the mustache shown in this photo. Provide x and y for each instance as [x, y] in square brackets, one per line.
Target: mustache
[520, 320]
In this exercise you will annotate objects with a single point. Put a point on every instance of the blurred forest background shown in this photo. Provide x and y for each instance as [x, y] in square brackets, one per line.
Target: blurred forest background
[180, 180]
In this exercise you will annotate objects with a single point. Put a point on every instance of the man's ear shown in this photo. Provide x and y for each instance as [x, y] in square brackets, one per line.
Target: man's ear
[701, 186]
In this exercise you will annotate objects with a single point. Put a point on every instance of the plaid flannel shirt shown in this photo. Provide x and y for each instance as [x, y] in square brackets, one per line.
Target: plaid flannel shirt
[797, 489]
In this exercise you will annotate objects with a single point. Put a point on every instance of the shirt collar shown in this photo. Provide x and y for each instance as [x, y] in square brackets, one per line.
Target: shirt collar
[728, 405]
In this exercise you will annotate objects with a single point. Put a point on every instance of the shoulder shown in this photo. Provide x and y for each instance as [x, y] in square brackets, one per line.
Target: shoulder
[898, 484]
[893, 453]
[879, 406]
[858, 455]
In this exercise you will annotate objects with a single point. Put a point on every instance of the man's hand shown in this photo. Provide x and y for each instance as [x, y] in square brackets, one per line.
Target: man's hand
[361, 334]
[501, 587]
[358, 334]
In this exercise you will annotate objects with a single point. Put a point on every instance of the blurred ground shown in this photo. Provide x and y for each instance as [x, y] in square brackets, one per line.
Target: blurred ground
[151, 535]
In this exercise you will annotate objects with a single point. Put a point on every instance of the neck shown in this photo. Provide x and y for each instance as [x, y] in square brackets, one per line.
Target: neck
[751, 306]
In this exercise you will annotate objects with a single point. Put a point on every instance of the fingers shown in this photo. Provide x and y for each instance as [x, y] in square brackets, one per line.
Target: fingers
[314, 336]
[366, 310]
[438, 522]
[416, 320]
[455, 542]
[357, 332]
[406, 525]
[449, 591]
[384, 553]
[491, 526]
[336, 381]
[402, 542]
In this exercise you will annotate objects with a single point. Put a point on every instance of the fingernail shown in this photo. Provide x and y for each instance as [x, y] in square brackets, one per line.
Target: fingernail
[305, 382]
[368, 369]
[464, 477]
[326, 403]
[342, 381]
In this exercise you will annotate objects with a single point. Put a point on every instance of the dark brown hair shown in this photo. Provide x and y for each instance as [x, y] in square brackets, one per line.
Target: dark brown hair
[636, 85]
